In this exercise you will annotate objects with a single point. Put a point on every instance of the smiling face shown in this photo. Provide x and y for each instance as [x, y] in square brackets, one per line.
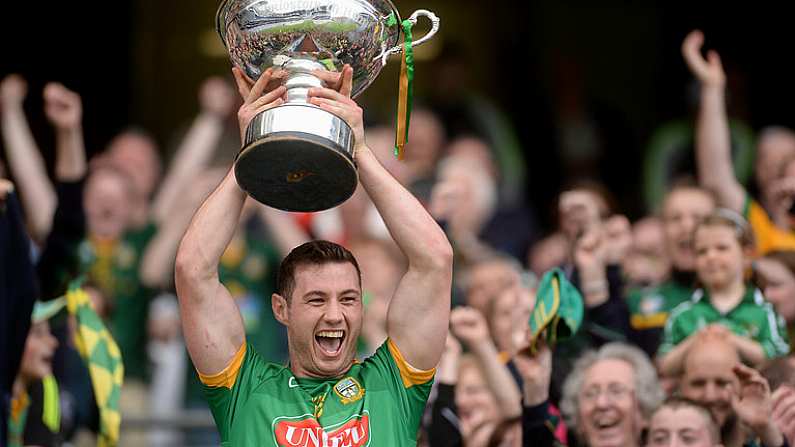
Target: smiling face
[719, 256]
[708, 378]
[683, 209]
[609, 414]
[107, 197]
[323, 317]
[39, 350]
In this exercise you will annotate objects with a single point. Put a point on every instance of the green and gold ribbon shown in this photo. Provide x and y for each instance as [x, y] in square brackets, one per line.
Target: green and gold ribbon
[406, 91]
[103, 359]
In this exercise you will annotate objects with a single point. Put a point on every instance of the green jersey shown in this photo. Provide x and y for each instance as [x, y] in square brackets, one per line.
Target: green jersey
[247, 269]
[649, 308]
[753, 318]
[114, 267]
[378, 402]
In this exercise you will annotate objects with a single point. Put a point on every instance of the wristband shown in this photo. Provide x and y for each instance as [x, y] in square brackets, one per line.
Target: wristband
[595, 287]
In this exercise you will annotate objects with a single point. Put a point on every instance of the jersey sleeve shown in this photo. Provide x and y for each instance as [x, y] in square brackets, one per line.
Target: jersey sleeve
[227, 392]
[773, 334]
[767, 235]
[673, 332]
[409, 386]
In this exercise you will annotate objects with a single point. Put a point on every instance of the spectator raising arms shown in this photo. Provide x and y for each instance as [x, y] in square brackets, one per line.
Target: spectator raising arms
[713, 157]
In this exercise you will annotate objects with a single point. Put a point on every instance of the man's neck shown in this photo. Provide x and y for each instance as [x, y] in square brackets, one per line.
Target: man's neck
[303, 373]
[727, 297]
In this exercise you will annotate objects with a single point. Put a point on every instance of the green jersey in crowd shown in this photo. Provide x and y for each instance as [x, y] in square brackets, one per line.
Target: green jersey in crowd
[649, 309]
[114, 267]
[753, 318]
[378, 402]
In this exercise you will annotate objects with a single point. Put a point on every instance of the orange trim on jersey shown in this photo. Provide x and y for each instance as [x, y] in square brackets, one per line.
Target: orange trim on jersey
[18, 405]
[410, 375]
[648, 321]
[228, 375]
[768, 236]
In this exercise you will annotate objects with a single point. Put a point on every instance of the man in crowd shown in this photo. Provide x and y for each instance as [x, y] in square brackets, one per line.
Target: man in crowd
[323, 395]
[738, 397]
[772, 228]
[683, 207]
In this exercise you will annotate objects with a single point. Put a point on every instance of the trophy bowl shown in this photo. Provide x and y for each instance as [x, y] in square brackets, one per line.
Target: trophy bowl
[298, 157]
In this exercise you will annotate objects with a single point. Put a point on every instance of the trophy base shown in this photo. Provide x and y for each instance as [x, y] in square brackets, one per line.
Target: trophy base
[307, 168]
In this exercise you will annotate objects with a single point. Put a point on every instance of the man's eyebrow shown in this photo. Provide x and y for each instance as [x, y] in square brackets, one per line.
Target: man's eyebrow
[313, 293]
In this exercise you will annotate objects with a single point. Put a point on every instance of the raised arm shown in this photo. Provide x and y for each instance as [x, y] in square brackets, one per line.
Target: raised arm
[36, 193]
[64, 110]
[59, 257]
[713, 139]
[419, 312]
[211, 321]
[470, 327]
[196, 149]
[157, 263]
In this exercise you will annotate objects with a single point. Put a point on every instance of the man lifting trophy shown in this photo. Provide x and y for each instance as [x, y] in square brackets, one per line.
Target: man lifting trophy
[298, 153]
[297, 156]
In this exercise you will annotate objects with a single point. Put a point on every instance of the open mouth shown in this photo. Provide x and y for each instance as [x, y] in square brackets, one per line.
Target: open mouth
[606, 426]
[330, 342]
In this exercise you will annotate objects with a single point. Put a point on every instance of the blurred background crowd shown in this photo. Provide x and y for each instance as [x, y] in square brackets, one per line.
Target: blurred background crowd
[659, 183]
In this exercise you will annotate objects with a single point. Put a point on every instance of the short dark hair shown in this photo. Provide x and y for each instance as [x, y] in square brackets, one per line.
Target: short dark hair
[311, 253]
[677, 402]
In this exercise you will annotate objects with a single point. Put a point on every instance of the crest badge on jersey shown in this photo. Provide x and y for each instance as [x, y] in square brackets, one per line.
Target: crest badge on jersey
[651, 304]
[349, 390]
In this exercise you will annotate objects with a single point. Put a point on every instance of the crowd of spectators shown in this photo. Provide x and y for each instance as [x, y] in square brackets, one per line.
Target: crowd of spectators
[689, 318]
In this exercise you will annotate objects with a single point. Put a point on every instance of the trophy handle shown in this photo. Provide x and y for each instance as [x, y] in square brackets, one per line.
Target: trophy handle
[413, 19]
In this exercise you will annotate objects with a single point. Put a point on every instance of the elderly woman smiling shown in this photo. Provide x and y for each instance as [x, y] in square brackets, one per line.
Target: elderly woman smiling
[610, 395]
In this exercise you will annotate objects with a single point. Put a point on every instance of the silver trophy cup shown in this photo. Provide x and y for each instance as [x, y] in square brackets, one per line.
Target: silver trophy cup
[298, 157]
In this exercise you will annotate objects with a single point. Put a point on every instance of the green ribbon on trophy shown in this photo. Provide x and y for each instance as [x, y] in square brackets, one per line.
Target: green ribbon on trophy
[406, 92]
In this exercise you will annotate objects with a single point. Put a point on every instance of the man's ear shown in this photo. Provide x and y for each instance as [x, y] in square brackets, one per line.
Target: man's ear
[280, 309]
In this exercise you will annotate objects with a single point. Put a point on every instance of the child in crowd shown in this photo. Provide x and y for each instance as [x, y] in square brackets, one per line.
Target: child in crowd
[725, 304]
